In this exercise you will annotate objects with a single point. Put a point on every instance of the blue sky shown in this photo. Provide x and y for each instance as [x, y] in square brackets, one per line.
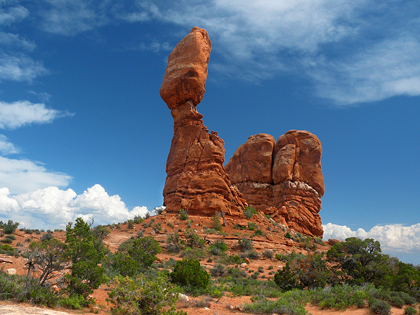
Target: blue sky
[83, 130]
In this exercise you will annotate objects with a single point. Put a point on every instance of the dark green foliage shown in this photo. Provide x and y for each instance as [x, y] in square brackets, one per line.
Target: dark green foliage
[287, 279]
[291, 304]
[259, 232]
[288, 235]
[310, 272]
[9, 227]
[46, 237]
[216, 222]
[193, 239]
[196, 253]
[74, 302]
[189, 273]
[218, 270]
[144, 296]
[7, 240]
[252, 226]
[144, 250]
[380, 307]
[245, 244]
[220, 246]
[249, 212]
[183, 215]
[410, 310]
[85, 274]
[405, 279]
[360, 261]
[46, 257]
[251, 254]
[121, 263]
[173, 243]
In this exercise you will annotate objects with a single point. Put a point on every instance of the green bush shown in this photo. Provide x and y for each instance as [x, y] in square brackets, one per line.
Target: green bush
[219, 245]
[74, 302]
[173, 243]
[380, 307]
[183, 215]
[46, 237]
[9, 227]
[245, 244]
[144, 250]
[121, 263]
[86, 273]
[268, 253]
[144, 296]
[193, 239]
[249, 212]
[189, 273]
[410, 310]
[6, 240]
[216, 222]
[287, 279]
[252, 226]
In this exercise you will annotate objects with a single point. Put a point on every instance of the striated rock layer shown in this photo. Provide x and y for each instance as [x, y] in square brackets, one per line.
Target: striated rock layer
[283, 179]
[196, 180]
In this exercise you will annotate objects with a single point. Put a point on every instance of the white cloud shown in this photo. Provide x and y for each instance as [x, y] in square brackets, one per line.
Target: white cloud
[6, 147]
[20, 67]
[54, 208]
[389, 68]
[14, 40]
[21, 176]
[70, 17]
[14, 14]
[21, 113]
[394, 238]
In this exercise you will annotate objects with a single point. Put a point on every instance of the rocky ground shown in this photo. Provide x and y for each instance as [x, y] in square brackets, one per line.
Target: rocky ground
[159, 226]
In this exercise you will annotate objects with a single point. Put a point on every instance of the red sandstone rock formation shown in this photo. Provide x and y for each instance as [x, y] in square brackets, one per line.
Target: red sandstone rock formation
[283, 179]
[196, 180]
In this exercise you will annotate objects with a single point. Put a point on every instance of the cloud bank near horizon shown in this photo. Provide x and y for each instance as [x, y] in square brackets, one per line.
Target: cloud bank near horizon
[395, 239]
[52, 208]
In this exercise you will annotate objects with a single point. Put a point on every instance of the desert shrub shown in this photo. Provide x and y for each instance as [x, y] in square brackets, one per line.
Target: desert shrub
[183, 215]
[405, 279]
[292, 256]
[9, 227]
[360, 261]
[252, 226]
[120, 263]
[101, 232]
[195, 253]
[218, 270]
[47, 257]
[219, 245]
[159, 210]
[245, 244]
[86, 273]
[268, 253]
[173, 243]
[144, 250]
[380, 307]
[287, 305]
[193, 239]
[410, 310]
[216, 222]
[288, 235]
[251, 254]
[6, 240]
[258, 232]
[189, 273]
[287, 279]
[249, 212]
[74, 302]
[138, 219]
[319, 240]
[144, 296]
[46, 237]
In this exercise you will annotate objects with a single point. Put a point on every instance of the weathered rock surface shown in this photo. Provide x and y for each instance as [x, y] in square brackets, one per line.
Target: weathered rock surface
[283, 179]
[196, 180]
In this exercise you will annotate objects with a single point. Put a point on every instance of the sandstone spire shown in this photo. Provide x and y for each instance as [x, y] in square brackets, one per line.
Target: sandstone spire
[196, 180]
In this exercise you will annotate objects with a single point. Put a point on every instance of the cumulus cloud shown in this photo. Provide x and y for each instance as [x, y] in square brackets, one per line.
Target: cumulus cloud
[394, 238]
[23, 175]
[54, 208]
[20, 67]
[20, 113]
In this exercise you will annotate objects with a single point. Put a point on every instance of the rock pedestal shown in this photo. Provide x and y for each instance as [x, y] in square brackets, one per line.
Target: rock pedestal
[196, 180]
[283, 179]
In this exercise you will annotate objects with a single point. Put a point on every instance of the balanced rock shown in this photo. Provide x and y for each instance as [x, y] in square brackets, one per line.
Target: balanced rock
[196, 180]
[282, 179]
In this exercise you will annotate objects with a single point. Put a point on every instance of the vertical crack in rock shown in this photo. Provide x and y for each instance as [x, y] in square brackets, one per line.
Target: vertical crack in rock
[196, 179]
